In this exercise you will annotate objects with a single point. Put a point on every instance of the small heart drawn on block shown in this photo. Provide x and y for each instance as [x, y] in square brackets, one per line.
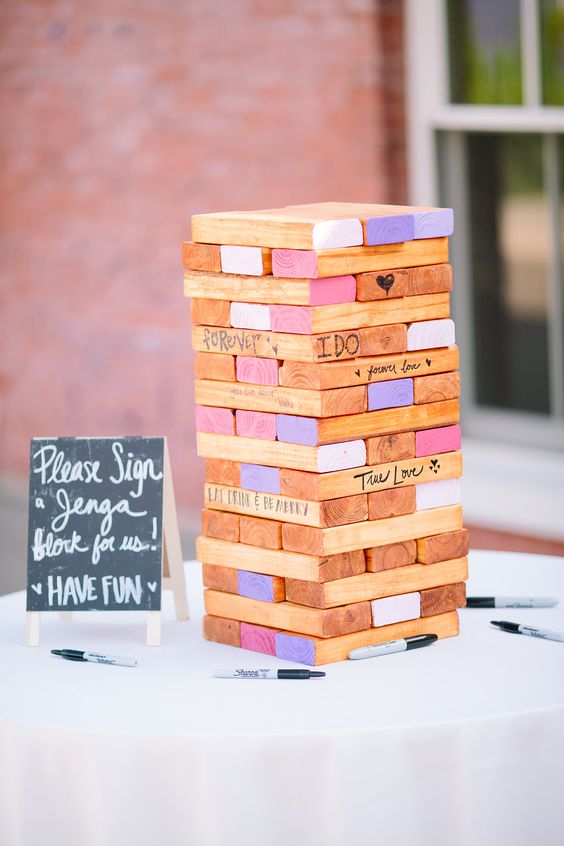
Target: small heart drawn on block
[152, 586]
[434, 465]
[386, 282]
[428, 362]
[37, 588]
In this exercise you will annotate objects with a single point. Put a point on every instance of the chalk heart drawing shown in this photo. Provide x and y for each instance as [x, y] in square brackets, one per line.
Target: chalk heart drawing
[152, 586]
[434, 466]
[37, 588]
[385, 282]
[428, 362]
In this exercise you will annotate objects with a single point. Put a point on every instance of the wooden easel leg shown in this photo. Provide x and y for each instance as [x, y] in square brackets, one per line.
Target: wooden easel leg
[32, 620]
[153, 628]
[172, 549]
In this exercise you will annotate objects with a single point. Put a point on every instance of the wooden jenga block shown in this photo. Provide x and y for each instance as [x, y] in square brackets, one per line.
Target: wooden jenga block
[258, 639]
[370, 586]
[391, 394]
[428, 222]
[318, 651]
[210, 312]
[260, 478]
[437, 440]
[392, 555]
[260, 532]
[316, 541]
[257, 371]
[375, 340]
[437, 494]
[220, 578]
[255, 424]
[391, 503]
[442, 386]
[269, 289]
[222, 472]
[244, 583]
[248, 261]
[342, 374]
[220, 524]
[429, 334]
[217, 367]
[442, 599]
[204, 257]
[442, 547]
[222, 630]
[321, 622]
[322, 459]
[319, 568]
[404, 282]
[396, 609]
[311, 263]
[394, 447]
[249, 316]
[217, 421]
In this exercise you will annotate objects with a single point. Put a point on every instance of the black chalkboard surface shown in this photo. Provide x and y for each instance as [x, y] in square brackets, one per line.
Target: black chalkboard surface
[95, 524]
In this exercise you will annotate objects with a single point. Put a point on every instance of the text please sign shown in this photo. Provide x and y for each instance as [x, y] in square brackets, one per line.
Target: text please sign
[95, 524]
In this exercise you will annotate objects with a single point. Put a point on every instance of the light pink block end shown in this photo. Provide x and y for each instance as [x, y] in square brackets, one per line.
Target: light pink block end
[294, 264]
[257, 371]
[256, 424]
[258, 639]
[218, 421]
[294, 319]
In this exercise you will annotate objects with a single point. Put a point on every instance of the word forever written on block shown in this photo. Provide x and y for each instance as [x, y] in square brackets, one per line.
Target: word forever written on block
[429, 334]
[249, 261]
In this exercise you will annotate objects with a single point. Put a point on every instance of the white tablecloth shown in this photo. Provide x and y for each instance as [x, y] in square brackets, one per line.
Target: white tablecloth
[459, 743]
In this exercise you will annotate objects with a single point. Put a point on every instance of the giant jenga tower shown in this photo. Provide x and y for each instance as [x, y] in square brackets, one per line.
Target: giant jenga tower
[327, 392]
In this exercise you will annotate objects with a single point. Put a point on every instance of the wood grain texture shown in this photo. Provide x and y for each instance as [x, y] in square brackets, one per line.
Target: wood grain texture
[442, 386]
[429, 222]
[321, 622]
[257, 478]
[270, 289]
[404, 282]
[430, 334]
[438, 439]
[221, 472]
[366, 370]
[318, 568]
[248, 261]
[333, 346]
[258, 532]
[315, 541]
[220, 525]
[392, 394]
[319, 651]
[222, 630]
[218, 367]
[258, 639]
[391, 555]
[393, 447]
[247, 315]
[220, 578]
[442, 547]
[343, 510]
[260, 586]
[324, 459]
[437, 494]
[255, 424]
[257, 371]
[391, 503]
[332, 403]
[370, 586]
[396, 609]
[218, 421]
[439, 600]
[315, 263]
[203, 257]
[211, 312]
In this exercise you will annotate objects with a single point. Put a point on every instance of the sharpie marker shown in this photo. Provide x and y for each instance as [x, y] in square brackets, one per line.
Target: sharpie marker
[511, 602]
[94, 657]
[517, 628]
[400, 645]
[268, 674]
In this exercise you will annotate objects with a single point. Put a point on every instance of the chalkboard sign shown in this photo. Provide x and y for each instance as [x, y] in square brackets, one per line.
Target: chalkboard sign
[95, 524]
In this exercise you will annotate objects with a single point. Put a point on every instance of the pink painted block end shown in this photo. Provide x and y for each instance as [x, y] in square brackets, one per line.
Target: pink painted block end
[331, 290]
[257, 371]
[218, 421]
[443, 439]
[294, 319]
[294, 264]
[256, 424]
[258, 639]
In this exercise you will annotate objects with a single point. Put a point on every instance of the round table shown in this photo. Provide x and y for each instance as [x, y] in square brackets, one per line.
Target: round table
[461, 742]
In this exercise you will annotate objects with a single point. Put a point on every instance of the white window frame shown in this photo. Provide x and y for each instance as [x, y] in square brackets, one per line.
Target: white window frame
[428, 112]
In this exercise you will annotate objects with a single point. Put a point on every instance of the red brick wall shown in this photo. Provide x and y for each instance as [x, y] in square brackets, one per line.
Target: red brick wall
[121, 119]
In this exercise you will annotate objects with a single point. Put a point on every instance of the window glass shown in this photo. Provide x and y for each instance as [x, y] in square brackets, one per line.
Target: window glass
[552, 51]
[484, 51]
[509, 267]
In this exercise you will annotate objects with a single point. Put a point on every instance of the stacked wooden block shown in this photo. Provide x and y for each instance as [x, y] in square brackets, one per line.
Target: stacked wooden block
[327, 392]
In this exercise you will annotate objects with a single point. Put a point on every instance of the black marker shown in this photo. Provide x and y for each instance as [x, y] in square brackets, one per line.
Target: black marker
[94, 657]
[518, 628]
[400, 645]
[511, 602]
[268, 674]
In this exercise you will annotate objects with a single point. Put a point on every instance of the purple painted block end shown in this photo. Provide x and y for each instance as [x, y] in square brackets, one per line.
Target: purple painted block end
[392, 394]
[436, 223]
[390, 230]
[255, 477]
[295, 648]
[296, 430]
[255, 586]
[258, 639]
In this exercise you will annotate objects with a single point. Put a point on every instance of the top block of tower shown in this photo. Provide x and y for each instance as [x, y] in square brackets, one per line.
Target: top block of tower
[322, 226]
